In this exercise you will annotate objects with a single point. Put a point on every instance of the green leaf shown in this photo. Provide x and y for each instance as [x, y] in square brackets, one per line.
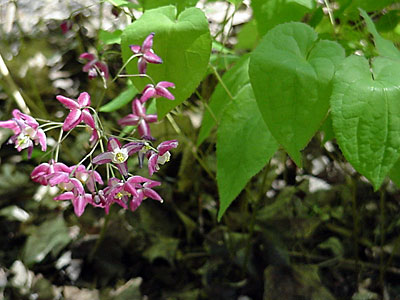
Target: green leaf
[234, 80]
[273, 12]
[107, 37]
[384, 47]
[365, 114]
[51, 236]
[291, 73]
[244, 146]
[179, 4]
[248, 36]
[395, 174]
[123, 3]
[121, 100]
[184, 44]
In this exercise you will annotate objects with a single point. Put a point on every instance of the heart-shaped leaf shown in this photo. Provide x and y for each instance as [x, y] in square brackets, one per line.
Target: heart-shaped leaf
[184, 44]
[291, 73]
[244, 146]
[233, 81]
[366, 115]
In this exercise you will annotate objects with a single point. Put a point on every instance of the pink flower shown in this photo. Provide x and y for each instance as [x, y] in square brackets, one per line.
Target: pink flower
[26, 132]
[118, 154]
[42, 171]
[160, 90]
[148, 55]
[94, 66]
[78, 113]
[65, 26]
[87, 177]
[161, 156]
[138, 117]
[144, 190]
[78, 201]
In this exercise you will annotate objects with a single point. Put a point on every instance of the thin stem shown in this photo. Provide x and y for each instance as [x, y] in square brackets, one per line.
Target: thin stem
[330, 13]
[220, 80]
[138, 75]
[101, 237]
[85, 158]
[124, 65]
[206, 106]
[58, 145]
[382, 230]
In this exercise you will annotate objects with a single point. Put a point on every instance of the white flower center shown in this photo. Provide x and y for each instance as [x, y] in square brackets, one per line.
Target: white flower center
[23, 141]
[120, 155]
[164, 158]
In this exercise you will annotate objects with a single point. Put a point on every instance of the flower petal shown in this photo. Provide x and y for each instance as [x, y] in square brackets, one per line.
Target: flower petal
[123, 168]
[88, 56]
[65, 196]
[166, 84]
[151, 57]
[113, 143]
[67, 102]
[103, 69]
[144, 129]
[142, 65]
[166, 146]
[135, 48]
[136, 201]
[84, 99]
[130, 119]
[42, 139]
[148, 42]
[138, 108]
[152, 194]
[133, 147]
[152, 164]
[88, 118]
[103, 158]
[148, 92]
[72, 120]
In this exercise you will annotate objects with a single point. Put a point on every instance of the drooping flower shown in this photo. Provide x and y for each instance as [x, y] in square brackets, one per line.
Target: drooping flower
[144, 190]
[78, 201]
[94, 67]
[148, 55]
[65, 26]
[41, 172]
[78, 113]
[160, 90]
[161, 156]
[140, 118]
[118, 154]
[87, 177]
[26, 132]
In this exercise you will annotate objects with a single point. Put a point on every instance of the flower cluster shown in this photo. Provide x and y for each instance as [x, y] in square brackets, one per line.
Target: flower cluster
[82, 184]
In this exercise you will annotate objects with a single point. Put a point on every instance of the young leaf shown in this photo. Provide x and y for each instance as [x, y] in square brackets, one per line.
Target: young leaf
[365, 114]
[244, 146]
[122, 99]
[384, 47]
[273, 12]
[184, 44]
[234, 80]
[291, 73]
[107, 37]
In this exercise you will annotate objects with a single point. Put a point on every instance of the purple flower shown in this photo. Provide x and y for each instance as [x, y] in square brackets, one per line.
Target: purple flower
[118, 154]
[78, 201]
[78, 113]
[138, 117]
[148, 55]
[26, 132]
[144, 190]
[94, 66]
[161, 156]
[87, 177]
[42, 171]
[160, 90]
[65, 26]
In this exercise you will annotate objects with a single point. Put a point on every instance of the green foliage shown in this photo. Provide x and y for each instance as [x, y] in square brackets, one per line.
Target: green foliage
[121, 100]
[232, 82]
[291, 73]
[183, 42]
[244, 146]
[50, 237]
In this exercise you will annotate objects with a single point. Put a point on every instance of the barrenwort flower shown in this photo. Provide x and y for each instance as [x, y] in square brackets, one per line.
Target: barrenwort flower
[118, 154]
[148, 55]
[78, 113]
[140, 118]
[160, 90]
[26, 132]
[161, 156]
[94, 66]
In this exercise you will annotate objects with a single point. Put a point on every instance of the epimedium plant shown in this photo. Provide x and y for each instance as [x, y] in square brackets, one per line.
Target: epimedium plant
[279, 95]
